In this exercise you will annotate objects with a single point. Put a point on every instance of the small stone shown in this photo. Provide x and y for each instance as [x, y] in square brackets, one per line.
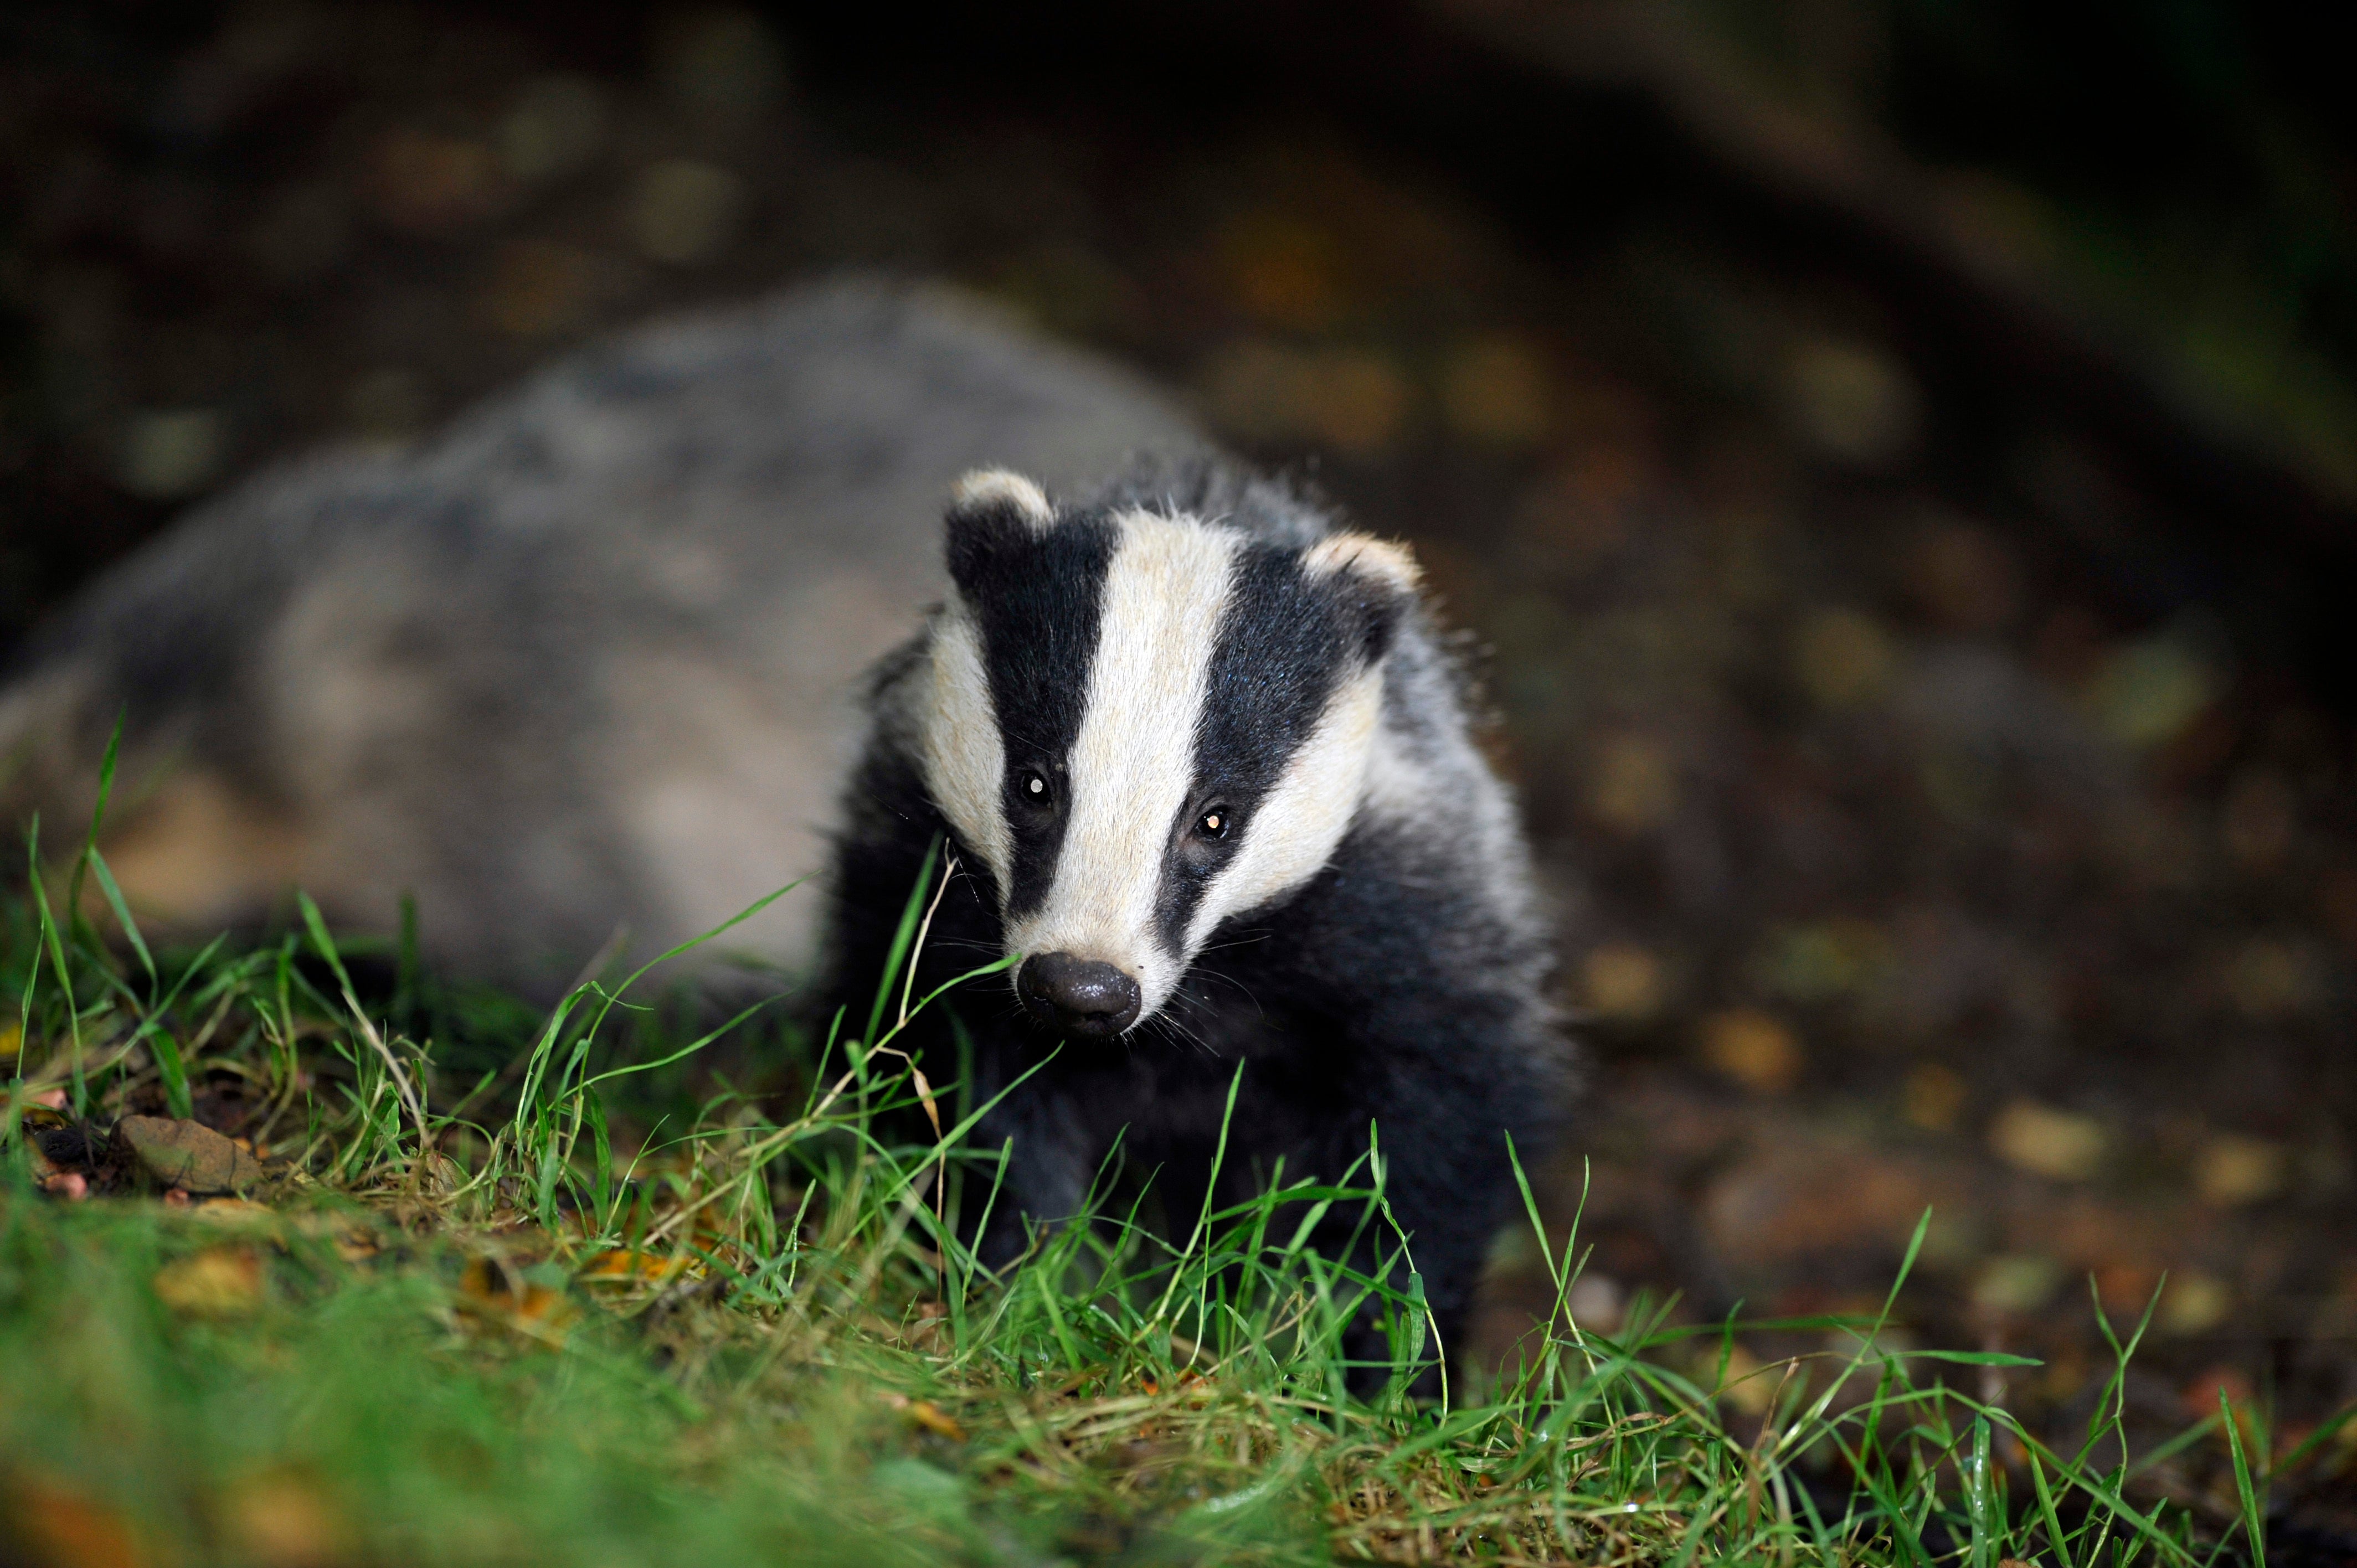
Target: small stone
[187, 1155]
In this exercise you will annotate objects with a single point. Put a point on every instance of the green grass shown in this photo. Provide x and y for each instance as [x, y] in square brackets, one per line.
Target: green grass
[598, 1306]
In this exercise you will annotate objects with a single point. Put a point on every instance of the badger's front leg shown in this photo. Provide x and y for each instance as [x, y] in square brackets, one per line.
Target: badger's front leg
[1049, 1158]
[1444, 1087]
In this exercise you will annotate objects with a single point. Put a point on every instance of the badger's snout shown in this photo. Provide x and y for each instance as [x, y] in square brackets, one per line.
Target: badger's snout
[1080, 997]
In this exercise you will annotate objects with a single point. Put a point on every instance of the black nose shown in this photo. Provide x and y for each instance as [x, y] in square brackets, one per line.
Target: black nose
[1081, 997]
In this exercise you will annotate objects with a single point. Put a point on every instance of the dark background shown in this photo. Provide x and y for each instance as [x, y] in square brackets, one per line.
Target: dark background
[1898, 458]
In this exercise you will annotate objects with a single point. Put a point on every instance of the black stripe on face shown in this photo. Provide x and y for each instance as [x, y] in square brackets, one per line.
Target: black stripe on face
[1285, 641]
[1037, 600]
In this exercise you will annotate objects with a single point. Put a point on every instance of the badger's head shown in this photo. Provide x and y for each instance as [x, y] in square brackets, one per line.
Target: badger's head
[1145, 725]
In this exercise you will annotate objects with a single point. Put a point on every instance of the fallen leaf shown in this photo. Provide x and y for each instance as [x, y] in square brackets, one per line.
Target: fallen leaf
[1933, 1097]
[1749, 1385]
[1752, 1049]
[933, 1418]
[219, 1282]
[2231, 1170]
[2047, 1142]
[281, 1518]
[235, 1212]
[187, 1155]
[491, 1292]
[621, 1265]
[2019, 1284]
[2194, 1302]
[1622, 980]
[64, 1527]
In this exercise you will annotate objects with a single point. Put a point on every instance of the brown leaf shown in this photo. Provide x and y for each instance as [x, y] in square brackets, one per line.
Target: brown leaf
[64, 1527]
[619, 1265]
[491, 1292]
[933, 1418]
[219, 1282]
[281, 1518]
[187, 1155]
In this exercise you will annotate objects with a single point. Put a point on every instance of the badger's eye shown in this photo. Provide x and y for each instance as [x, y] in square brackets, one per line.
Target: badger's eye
[1214, 825]
[1033, 787]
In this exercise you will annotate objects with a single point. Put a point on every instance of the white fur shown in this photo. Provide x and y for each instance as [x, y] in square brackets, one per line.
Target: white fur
[1133, 763]
[965, 762]
[1366, 555]
[986, 485]
[1300, 824]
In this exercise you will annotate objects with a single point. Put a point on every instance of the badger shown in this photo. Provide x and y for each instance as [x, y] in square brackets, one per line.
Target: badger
[1209, 774]
[584, 672]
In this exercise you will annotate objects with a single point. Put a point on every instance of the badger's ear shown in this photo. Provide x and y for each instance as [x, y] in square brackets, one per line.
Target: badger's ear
[989, 509]
[1376, 579]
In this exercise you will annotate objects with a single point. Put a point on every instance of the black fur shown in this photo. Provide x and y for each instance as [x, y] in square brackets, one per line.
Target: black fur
[1037, 603]
[1395, 989]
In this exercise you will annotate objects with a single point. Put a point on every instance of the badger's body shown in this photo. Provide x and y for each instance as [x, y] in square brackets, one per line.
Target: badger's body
[585, 664]
[589, 663]
[1202, 762]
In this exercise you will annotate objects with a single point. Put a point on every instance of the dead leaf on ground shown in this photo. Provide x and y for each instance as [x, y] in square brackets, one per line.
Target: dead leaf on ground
[2231, 1170]
[1755, 1049]
[283, 1519]
[219, 1282]
[489, 1293]
[65, 1527]
[2048, 1142]
[621, 1265]
[236, 1213]
[929, 1415]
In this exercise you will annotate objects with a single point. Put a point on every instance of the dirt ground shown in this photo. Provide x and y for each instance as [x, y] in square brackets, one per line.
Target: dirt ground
[1934, 821]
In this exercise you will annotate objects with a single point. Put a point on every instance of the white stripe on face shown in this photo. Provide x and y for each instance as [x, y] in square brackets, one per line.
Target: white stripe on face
[965, 761]
[1294, 831]
[1133, 763]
